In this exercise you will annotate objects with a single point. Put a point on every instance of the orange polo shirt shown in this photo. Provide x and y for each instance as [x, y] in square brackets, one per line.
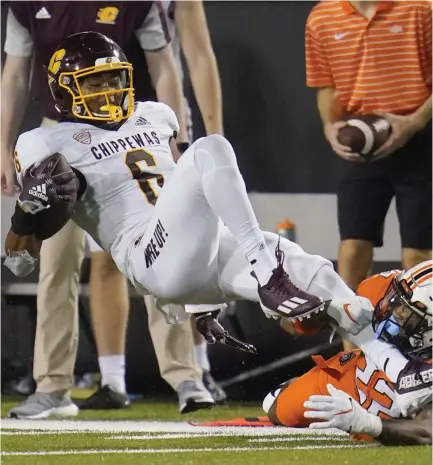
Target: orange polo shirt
[382, 63]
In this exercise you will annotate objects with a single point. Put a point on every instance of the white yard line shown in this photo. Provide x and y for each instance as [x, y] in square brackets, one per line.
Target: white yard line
[210, 434]
[177, 451]
[71, 427]
[299, 438]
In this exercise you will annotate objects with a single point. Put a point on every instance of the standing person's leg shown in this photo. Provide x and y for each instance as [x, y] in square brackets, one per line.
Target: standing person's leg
[174, 349]
[56, 339]
[413, 187]
[202, 359]
[109, 308]
[364, 196]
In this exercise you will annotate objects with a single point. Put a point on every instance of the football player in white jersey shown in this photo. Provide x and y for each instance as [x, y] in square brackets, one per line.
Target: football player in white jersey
[185, 231]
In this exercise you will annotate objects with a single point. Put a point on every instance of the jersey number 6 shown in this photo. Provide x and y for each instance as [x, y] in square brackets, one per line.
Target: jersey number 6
[132, 160]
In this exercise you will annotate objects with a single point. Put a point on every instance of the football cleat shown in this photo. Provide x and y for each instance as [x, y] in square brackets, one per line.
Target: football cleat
[279, 297]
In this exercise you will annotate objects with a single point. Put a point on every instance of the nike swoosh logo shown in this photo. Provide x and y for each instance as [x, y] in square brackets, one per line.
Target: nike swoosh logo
[340, 36]
[346, 309]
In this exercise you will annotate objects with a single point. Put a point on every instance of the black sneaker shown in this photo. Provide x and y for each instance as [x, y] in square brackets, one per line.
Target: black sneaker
[105, 398]
[216, 391]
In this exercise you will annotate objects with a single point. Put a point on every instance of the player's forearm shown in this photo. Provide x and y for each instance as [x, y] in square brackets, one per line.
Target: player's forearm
[422, 116]
[404, 432]
[329, 105]
[16, 243]
[408, 432]
[21, 246]
[206, 83]
[14, 91]
[22, 253]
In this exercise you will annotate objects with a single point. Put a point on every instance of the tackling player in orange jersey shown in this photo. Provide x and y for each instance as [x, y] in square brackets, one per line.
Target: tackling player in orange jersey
[348, 391]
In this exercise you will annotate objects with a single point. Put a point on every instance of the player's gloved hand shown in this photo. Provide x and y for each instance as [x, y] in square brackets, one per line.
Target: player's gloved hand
[341, 411]
[414, 386]
[352, 314]
[208, 326]
[41, 189]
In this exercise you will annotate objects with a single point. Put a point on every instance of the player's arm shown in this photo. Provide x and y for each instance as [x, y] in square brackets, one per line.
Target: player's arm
[47, 183]
[161, 63]
[21, 246]
[196, 45]
[407, 431]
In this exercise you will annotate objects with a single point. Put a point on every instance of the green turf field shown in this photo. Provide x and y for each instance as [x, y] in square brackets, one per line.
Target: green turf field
[155, 433]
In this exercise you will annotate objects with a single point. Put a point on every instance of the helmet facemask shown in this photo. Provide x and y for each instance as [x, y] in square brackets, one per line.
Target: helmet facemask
[103, 92]
[403, 321]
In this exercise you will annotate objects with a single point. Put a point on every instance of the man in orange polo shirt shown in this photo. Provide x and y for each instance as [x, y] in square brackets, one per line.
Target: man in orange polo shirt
[368, 57]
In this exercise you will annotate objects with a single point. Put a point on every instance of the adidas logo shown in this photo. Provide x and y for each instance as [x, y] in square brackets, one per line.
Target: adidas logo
[43, 14]
[141, 122]
[39, 191]
[291, 304]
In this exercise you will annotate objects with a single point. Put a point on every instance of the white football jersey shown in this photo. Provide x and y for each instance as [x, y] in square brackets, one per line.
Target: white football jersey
[125, 169]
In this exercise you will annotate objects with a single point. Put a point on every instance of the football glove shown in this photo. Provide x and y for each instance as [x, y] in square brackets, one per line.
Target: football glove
[339, 410]
[208, 326]
[41, 188]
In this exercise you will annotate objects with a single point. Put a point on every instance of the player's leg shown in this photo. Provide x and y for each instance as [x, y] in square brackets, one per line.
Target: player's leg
[56, 340]
[109, 308]
[285, 404]
[174, 349]
[315, 274]
[311, 272]
[206, 187]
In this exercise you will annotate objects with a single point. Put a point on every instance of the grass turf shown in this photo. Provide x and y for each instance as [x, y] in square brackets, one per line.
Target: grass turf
[215, 447]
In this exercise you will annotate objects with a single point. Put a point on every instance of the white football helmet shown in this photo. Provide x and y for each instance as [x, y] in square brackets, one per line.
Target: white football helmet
[403, 316]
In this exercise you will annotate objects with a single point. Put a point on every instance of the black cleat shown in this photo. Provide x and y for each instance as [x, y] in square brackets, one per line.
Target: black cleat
[279, 296]
[105, 398]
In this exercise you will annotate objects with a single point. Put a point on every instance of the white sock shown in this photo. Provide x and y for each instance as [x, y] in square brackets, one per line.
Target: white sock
[200, 353]
[112, 369]
[385, 356]
[225, 191]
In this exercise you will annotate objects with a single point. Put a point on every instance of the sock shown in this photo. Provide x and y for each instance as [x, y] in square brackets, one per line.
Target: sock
[112, 369]
[225, 191]
[200, 353]
[385, 356]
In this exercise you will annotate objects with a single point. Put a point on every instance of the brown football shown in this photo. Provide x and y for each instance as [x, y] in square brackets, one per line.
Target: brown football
[50, 221]
[364, 134]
